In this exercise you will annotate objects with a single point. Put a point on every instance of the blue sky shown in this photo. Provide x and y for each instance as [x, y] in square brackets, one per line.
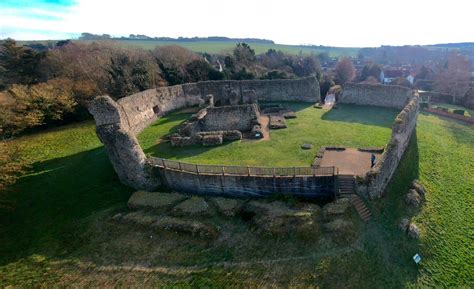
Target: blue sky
[329, 22]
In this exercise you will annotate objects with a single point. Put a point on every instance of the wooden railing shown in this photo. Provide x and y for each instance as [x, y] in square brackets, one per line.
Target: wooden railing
[242, 171]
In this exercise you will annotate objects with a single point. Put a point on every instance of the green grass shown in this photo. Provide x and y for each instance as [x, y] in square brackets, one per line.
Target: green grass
[58, 231]
[351, 126]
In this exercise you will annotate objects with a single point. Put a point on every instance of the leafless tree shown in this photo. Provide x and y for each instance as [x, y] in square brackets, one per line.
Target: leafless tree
[345, 71]
[453, 77]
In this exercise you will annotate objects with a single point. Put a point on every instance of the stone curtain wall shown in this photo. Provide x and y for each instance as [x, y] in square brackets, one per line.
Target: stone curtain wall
[376, 95]
[377, 179]
[118, 122]
[143, 108]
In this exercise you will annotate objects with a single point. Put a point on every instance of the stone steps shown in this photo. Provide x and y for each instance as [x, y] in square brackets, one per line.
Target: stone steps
[345, 184]
[361, 208]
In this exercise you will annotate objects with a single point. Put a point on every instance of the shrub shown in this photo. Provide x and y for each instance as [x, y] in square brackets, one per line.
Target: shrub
[11, 165]
[35, 105]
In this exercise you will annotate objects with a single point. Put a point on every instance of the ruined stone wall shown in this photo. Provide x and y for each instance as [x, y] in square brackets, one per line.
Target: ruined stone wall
[118, 122]
[377, 179]
[239, 117]
[376, 95]
[141, 109]
[122, 146]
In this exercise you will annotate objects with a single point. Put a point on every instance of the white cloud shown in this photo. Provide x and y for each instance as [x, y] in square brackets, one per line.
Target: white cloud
[337, 22]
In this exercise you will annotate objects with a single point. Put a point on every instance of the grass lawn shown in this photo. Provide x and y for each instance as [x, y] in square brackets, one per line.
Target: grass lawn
[58, 230]
[351, 126]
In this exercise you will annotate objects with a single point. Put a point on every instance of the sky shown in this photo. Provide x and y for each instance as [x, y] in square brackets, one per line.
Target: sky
[345, 23]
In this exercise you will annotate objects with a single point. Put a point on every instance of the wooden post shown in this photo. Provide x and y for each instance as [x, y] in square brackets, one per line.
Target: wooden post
[294, 172]
[223, 171]
[179, 165]
[163, 161]
[274, 172]
[248, 170]
[197, 169]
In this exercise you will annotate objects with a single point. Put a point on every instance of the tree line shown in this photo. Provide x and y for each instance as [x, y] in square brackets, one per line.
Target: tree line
[41, 87]
[50, 86]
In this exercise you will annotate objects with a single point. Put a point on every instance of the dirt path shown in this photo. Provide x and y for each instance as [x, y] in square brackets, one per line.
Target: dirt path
[264, 121]
[350, 161]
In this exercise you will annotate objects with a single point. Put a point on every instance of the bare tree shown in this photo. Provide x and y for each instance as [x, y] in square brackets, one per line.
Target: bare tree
[345, 71]
[453, 77]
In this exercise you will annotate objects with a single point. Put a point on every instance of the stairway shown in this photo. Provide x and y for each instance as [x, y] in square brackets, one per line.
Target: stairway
[346, 190]
[361, 208]
[345, 185]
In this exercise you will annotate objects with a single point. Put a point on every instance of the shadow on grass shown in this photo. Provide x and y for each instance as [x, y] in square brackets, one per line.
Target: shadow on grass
[392, 246]
[164, 150]
[368, 115]
[53, 202]
[293, 105]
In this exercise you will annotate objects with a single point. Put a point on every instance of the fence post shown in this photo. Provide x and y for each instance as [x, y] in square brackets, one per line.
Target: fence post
[223, 171]
[273, 172]
[314, 171]
[248, 170]
[294, 172]
[179, 165]
[164, 165]
[197, 169]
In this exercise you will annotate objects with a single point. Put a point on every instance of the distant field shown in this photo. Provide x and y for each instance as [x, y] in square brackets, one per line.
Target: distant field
[225, 46]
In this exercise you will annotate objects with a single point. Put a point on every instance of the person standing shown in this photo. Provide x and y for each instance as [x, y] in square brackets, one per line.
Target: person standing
[372, 160]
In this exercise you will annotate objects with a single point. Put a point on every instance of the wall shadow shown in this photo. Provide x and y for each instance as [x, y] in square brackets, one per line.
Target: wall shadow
[367, 115]
[163, 149]
[52, 203]
[384, 238]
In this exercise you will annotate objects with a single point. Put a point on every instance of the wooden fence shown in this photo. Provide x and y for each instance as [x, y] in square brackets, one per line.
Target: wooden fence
[243, 171]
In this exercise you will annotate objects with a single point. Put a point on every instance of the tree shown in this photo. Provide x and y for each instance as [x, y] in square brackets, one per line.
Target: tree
[453, 77]
[18, 64]
[326, 83]
[244, 54]
[172, 60]
[370, 69]
[198, 70]
[306, 66]
[120, 82]
[141, 76]
[469, 99]
[345, 71]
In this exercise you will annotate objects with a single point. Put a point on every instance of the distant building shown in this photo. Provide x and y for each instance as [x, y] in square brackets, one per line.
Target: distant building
[411, 77]
[388, 75]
